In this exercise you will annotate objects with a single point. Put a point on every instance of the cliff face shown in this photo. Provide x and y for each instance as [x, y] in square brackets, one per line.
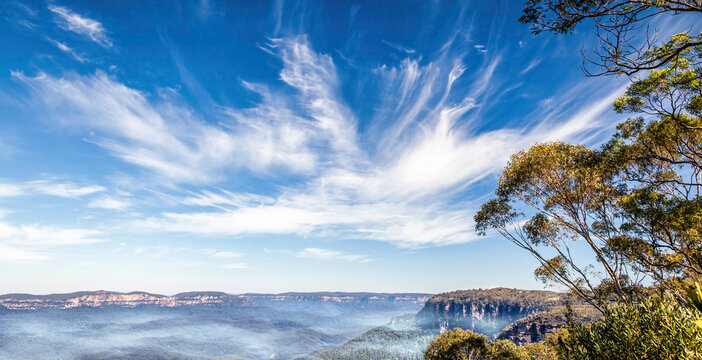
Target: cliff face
[527, 332]
[108, 298]
[484, 311]
[534, 328]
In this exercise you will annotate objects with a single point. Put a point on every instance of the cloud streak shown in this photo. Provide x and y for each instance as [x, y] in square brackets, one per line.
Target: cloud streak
[410, 187]
[33, 242]
[70, 21]
[170, 140]
[48, 187]
[331, 255]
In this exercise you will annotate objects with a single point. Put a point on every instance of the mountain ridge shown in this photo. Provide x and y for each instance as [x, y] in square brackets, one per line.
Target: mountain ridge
[99, 298]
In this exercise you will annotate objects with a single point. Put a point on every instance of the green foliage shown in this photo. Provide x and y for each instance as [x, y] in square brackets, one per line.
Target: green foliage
[660, 160]
[694, 296]
[657, 328]
[501, 297]
[574, 193]
[458, 344]
[544, 350]
[637, 201]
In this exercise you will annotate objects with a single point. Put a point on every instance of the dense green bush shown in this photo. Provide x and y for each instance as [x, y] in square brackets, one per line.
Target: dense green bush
[657, 328]
[459, 344]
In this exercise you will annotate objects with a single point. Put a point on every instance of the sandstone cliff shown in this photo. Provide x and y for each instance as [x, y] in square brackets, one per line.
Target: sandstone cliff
[534, 328]
[484, 311]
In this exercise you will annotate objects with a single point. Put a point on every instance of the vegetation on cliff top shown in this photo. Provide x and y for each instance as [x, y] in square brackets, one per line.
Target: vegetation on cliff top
[536, 298]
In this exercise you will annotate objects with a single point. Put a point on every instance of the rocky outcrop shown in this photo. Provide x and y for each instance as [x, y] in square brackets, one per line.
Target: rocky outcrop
[109, 298]
[484, 311]
[534, 328]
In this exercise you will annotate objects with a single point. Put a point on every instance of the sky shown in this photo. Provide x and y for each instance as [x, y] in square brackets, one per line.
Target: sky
[271, 146]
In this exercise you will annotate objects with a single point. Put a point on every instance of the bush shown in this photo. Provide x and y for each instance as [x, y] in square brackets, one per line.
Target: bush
[459, 344]
[657, 328]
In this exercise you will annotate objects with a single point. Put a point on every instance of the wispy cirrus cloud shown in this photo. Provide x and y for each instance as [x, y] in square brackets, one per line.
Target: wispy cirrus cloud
[18, 255]
[428, 149]
[71, 21]
[170, 140]
[223, 254]
[48, 187]
[109, 203]
[235, 266]
[11, 190]
[31, 242]
[38, 235]
[68, 50]
[61, 189]
[331, 255]
[405, 193]
[399, 47]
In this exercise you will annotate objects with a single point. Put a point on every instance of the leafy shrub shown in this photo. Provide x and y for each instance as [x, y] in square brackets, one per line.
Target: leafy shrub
[459, 344]
[657, 328]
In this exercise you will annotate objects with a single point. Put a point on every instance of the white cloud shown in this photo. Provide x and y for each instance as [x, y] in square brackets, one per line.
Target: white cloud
[18, 255]
[331, 255]
[399, 47]
[68, 50]
[235, 266]
[406, 194]
[532, 64]
[109, 203]
[45, 235]
[169, 139]
[11, 190]
[224, 198]
[403, 190]
[70, 21]
[314, 76]
[226, 254]
[48, 187]
[67, 190]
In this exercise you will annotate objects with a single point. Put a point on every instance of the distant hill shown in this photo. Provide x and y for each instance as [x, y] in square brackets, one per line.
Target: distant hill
[138, 298]
[110, 298]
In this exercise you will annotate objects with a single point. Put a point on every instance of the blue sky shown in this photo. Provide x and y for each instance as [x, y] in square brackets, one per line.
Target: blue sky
[269, 146]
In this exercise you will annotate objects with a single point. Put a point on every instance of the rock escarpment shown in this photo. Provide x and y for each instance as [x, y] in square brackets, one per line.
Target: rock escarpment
[484, 311]
[534, 328]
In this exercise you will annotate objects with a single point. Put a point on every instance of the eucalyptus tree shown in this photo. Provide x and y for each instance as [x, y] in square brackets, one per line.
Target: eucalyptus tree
[636, 202]
[572, 196]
